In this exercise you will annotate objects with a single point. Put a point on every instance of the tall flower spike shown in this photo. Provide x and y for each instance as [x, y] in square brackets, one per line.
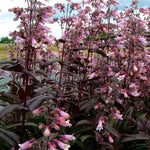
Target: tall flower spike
[62, 145]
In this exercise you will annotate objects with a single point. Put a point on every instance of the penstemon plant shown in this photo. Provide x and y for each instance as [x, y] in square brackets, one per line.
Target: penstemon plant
[93, 92]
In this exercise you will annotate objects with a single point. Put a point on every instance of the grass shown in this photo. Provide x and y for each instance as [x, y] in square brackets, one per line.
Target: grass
[3, 51]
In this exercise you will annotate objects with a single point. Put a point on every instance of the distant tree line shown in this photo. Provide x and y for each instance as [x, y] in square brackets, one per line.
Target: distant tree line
[6, 40]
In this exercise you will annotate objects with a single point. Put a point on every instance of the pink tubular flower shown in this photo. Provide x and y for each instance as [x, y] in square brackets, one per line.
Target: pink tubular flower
[62, 145]
[96, 106]
[68, 137]
[62, 113]
[67, 124]
[100, 126]
[119, 46]
[119, 101]
[110, 138]
[51, 146]
[135, 68]
[61, 121]
[92, 75]
[19, 40]
[55, 126]
[125, 93]
[46, 131]
[142, 40]
[135, 93]
[121, 77]
[37, 111]
[133, 85]
[118, 116]
[34, 42]
[26, 144]
[41, 126]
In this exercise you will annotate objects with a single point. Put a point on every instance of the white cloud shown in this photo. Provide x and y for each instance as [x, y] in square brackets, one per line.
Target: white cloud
[7, 24]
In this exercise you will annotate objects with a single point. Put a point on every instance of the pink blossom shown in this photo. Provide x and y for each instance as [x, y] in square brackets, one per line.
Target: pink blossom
[142, 77]
[41, 126]
[62, 145]
[133, 85]
[37, 111]
[19, 40]
[121, 77]
[100, 126]
[34, 42]
[119, 46]
[142, 40]
[51, 146]
[92, 75]
[46, 131]
[124, 92]
[135, 68]
[26, 144]
[62, 113]
[135, 93]
[68, 137]
[118, 116]
[112, 54]
[55, 126]
[115, 2]
[110, 138]
[119, 100]
[67, 124]
[96, 106]
[61, 121]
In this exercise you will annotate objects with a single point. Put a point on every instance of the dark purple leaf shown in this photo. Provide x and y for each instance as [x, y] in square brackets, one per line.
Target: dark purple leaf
[20, 124]
[109, 146]
[11, 108]
[113, 131]
[83, 122]
[134, 137]
[98, 137]
[37, 101]
[9, 136]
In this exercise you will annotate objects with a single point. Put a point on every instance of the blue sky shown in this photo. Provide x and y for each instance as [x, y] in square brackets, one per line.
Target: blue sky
[7, 24]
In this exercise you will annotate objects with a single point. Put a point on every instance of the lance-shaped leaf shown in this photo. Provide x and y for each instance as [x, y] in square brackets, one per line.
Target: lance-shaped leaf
[134, 137]
[81, 122]
[71, 74]
[113, 131]
[20, 124]
[43, 65]
[37, 101]
[11, 108]
[19, 68]
[9, 137]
